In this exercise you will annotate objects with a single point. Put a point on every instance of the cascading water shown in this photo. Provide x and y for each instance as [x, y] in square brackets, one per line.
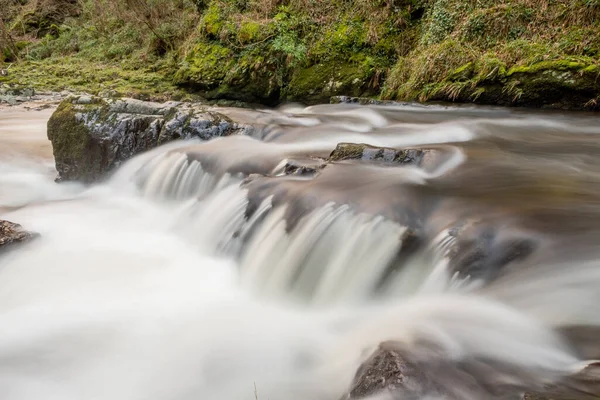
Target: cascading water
[199, 271]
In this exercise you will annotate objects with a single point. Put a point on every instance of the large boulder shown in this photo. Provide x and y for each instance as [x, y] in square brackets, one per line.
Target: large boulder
[12, 234]
[91, 136]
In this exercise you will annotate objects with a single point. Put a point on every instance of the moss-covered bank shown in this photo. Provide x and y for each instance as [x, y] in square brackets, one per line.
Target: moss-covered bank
[542, 53]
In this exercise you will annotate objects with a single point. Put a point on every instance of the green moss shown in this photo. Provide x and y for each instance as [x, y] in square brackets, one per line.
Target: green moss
[212, 21]
[592, 69]
[348, 151]
[76, 74]
[205, 66]
[462, 73]
[249, 31]
[345, 35]
[70, 138]
[319, 82]
[253, 75]
[557, 65]
[489, 68]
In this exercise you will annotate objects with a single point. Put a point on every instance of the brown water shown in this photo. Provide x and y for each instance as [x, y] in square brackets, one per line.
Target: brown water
[23, 133]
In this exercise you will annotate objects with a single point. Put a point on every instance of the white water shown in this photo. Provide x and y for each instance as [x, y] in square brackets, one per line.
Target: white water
[133, 292]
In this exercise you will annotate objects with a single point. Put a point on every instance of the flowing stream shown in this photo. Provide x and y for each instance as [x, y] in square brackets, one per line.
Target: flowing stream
[203, 270]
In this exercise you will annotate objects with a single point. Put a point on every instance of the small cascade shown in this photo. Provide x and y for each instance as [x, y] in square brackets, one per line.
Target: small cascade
[167, 173]
[174, 176]
[332, 255]
[214, 223]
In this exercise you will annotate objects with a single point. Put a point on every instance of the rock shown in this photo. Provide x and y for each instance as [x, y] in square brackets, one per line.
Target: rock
[91, 136]
[481, 251]
[559, 84]
[12, 234]
[319, 82]
[354, 151]
[302, 167]
[217, 72]
[366, 101]
[388, 371]
[27, 92]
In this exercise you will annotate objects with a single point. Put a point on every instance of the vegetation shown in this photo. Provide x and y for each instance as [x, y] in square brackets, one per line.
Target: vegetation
[524, 52]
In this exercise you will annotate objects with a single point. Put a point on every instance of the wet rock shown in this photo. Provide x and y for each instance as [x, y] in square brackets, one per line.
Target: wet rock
[91, 136]
[354, 151]
[364, 101]
[12, 234]
[302, 167]
[317, 83]
[481, 251]
[387, 370]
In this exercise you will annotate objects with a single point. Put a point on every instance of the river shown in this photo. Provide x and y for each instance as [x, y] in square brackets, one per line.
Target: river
[201, 270]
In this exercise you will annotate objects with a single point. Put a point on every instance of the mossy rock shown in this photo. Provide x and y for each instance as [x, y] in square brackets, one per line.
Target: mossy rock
[71, 143]
[216, 72]
[92, 136]
[319, 82]
[560, 84]
[365, 152]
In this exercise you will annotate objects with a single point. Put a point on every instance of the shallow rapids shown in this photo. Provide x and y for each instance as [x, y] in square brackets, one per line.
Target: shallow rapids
[204, 270]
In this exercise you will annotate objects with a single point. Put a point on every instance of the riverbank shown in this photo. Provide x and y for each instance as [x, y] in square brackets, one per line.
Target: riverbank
[535, 53]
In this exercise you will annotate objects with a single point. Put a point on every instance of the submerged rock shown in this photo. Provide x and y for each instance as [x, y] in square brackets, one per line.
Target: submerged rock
[12, 234]
[91, 136]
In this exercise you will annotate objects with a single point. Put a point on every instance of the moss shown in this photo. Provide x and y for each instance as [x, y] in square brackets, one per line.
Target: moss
[249, 31]
[317, 83]
[592, 69]
[347, 35]
[462, 73]
[489, 68]
[70, 138]
[217, 72]
[212, 21]
[205, 66]
[347, 151]
[557, 65]
[76, 74]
